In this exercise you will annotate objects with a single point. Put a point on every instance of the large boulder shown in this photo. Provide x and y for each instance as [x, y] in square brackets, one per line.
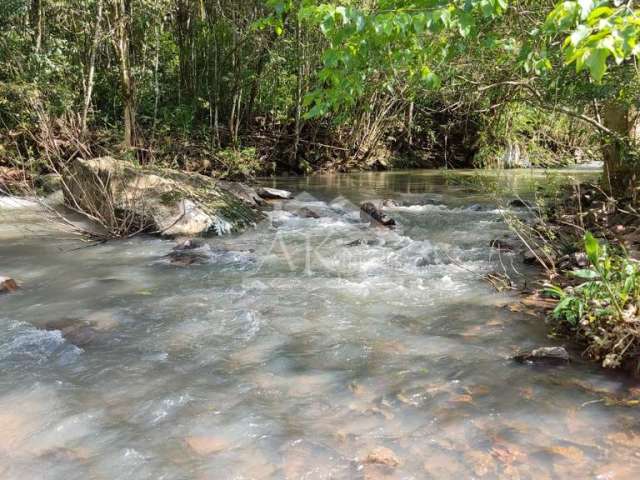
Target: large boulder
[126, 198]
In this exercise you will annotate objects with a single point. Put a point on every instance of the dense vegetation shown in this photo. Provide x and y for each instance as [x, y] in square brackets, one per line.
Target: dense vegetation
[234, 88]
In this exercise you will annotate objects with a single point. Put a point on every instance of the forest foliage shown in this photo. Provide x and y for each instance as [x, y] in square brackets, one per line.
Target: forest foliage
[259, 86]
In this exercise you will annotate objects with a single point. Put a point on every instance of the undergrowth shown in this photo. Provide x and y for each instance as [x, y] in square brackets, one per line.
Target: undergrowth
[602, 310]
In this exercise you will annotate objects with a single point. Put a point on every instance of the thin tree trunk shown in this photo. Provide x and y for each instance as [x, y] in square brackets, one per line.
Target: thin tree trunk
[121, 43]
[37, 23]
[156, 79]
[620, 176]
[410, 123]
[299, 75]
[91, 68]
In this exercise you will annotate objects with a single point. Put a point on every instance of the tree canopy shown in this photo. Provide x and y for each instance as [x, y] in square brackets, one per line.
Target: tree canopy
[235, 88]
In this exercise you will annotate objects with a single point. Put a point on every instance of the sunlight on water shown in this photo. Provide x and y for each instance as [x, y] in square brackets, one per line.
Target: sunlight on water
[312, 347]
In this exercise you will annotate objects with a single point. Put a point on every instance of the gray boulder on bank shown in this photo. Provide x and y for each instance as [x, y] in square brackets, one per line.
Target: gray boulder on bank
[121, 195]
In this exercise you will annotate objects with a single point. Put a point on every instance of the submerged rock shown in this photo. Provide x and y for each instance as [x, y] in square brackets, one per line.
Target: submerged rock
[391, 203]
[429, 258]
[189, 252]
[8, 285]
[476, 207]
[548, 355]
[306, 212]
[199, 252]
[519, 203]
[121, 195]
[75, 331]
[361, 242]
[274, 193]
[502, 244]
[383, 456]
[370, 213]
[205, 445]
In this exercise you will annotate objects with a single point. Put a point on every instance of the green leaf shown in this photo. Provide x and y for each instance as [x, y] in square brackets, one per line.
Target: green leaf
[430, 79]
[579, 34]
[585, 7]
[586, 274]
[598, 13]
[596, 61]
[592, 248]
[465, 24]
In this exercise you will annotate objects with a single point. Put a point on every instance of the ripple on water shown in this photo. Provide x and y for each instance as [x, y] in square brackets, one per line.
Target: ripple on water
[22, 342]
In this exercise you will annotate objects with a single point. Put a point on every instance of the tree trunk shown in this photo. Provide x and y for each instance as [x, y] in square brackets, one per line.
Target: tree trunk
[121, 44]
[299, 86]
[91, 68]
[620, 171]
[37, 23]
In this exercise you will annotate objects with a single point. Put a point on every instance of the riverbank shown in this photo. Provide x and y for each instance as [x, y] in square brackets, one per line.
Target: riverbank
[587, 244]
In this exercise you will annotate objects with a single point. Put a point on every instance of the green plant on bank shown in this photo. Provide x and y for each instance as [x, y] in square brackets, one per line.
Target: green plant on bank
[602, 311]
[239, 163]
[540, 139]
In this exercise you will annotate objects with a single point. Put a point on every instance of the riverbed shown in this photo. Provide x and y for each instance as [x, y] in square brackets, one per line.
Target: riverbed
[311, 347]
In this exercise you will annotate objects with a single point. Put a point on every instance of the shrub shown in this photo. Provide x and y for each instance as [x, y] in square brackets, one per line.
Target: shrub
[602, 310]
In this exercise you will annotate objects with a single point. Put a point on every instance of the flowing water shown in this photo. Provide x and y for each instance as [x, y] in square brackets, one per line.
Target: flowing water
[291, 355]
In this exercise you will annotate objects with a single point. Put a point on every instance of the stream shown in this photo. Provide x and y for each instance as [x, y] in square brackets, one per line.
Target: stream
[307, 348]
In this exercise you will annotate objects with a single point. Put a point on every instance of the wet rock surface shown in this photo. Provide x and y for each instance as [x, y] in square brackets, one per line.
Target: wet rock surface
[206, 445]
[190, 252]
[375, 216]
[544, 355]
[8, 285]
[520, 203]
[360, 242]
[383, 456]
[76, 331]
[196, 251]
[503, 244]
[305, 212]
[274, 193]
[242, 191]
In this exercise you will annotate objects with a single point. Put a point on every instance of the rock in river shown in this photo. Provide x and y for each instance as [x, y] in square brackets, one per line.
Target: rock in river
[502, 244]
[190, 252]
[8, 285]
[383, 456]
[306, 212]
[370, 213]
[121, 195]
[274, 193]
[519, 203]
[75, 331]
[544, 355]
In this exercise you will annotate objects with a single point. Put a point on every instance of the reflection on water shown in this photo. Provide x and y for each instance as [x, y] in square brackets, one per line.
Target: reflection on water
[293, 354]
